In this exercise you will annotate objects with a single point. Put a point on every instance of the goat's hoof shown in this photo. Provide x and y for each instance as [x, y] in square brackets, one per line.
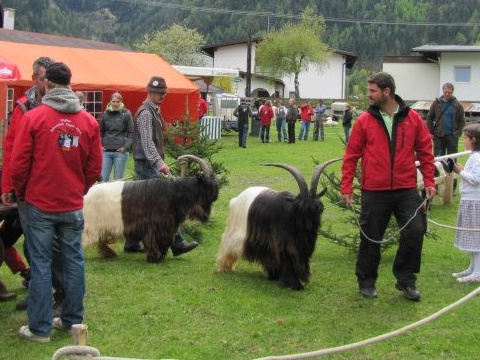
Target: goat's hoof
[155, 259]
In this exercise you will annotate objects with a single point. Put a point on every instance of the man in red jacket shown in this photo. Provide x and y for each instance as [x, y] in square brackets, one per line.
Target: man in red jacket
[30, 100]
[389, 137]
[58, 156]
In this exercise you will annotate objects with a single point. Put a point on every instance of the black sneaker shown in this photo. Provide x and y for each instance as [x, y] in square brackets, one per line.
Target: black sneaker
[22, 305]
[369, 292]
[410, 292]
[183, 247]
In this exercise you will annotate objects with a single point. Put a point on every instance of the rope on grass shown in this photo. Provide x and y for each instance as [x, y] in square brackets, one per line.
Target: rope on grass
[315, 354]
[87, 352]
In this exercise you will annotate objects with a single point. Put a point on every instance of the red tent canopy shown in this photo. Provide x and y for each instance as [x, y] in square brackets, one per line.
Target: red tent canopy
[109, 71]
[8, 70]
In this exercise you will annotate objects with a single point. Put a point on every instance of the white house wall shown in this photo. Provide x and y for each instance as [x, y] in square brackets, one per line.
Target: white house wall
[463, 91]
[328, 82]
[320, 83]
[415, 81]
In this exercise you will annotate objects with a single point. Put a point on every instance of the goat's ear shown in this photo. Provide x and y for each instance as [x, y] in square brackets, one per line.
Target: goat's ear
[321, 193]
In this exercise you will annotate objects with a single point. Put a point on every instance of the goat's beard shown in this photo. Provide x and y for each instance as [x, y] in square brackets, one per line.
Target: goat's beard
[199, 213]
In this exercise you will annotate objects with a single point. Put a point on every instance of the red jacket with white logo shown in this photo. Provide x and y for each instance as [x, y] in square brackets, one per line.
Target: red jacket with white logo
[388, 164]
[57, 157]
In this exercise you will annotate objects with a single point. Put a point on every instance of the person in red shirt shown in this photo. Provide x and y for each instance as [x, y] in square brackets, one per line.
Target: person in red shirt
[202, 107]
[58, 156]
[266, 114]
[11, 231]
[306, 113]
[389, 137]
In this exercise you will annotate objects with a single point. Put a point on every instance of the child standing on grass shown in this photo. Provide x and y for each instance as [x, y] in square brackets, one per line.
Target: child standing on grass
[469, 209]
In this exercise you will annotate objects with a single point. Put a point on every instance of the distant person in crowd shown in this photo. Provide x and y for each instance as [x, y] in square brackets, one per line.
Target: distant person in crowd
[149, 154]
[319, 112]
[306, 113]
[243, 113]
[52, 187]
[347, 121]
[445, 120]
[81, 98]
[281, 121]
[30, 100]
[388, 138]
[469, 208]
[116, 130]
[292, 116]
[266, 114]
[202, 106]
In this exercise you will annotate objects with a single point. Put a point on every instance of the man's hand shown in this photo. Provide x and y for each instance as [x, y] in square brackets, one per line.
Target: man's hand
[163, 169]
[8, 198]
[347, 198]
[430, 192]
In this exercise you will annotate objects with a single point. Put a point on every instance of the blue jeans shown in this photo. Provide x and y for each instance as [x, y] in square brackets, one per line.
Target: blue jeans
[43, 229]
[242, 134]
[346, 130]
[281, 129]
[114, 159]
[304, 128]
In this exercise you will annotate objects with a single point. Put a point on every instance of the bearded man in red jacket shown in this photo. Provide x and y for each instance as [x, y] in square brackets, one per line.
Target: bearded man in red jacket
[389, 137]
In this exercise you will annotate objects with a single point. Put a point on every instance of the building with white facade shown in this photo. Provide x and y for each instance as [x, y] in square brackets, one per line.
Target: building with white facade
[328, 82]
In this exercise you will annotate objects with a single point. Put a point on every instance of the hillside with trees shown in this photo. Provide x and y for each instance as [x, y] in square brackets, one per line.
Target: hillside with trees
[369, 28]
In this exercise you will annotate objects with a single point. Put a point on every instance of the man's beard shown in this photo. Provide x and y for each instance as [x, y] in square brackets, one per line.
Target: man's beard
[378, 103]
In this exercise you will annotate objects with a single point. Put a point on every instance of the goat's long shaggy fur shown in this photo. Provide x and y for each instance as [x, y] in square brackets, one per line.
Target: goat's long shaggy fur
[151, 210]
[275, 229]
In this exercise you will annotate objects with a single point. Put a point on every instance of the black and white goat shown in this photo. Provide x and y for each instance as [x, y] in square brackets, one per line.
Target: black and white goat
[151, 210]
[276, 229]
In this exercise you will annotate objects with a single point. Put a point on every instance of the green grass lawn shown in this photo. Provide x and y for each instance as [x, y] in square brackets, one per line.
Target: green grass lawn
[183, 309]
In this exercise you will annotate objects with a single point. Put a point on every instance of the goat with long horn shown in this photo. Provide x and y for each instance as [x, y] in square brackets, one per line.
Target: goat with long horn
[275, 229]
[151, 209]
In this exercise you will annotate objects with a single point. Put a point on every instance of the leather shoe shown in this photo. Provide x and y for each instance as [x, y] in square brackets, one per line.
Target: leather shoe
[183, 247]
[22, 305]
[369, 292]
[410, 292]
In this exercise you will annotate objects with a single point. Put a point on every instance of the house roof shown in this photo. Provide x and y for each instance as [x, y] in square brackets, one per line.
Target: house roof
[351, 58]
[95, 65]
[446, 48]
[434, 51]
[26, 37]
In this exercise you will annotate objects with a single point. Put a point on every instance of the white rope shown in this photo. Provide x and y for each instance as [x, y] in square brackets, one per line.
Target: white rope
[88, 351]
[398, 231]
[452, 227]
[343, 348]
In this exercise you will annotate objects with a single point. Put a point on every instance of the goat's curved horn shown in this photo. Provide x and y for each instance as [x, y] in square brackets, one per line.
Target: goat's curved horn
[316, 175]
[302, 184]
[206, 169]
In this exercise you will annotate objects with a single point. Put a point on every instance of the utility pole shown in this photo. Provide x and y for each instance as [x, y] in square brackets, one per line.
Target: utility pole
[248, 84]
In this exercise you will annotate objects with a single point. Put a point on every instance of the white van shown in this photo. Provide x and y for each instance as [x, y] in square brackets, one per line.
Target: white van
[338, 110]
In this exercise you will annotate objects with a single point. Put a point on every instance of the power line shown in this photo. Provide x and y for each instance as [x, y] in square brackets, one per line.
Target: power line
[290, 16]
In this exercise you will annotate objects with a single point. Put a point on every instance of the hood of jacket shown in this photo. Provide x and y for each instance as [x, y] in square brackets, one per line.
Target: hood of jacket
[110, 107]
[63, 100]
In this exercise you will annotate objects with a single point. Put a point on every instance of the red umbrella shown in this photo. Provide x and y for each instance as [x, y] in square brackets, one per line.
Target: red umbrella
[8, 70]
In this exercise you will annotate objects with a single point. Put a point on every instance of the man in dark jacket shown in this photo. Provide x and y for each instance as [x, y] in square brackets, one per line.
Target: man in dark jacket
[242, 113]
[445, 121]
[389, 137]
